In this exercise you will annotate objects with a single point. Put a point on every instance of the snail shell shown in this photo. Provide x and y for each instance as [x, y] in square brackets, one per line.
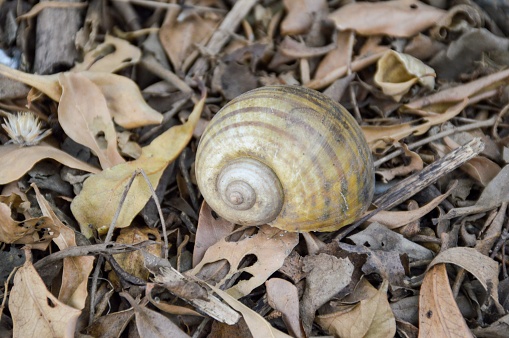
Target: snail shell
[287, 156]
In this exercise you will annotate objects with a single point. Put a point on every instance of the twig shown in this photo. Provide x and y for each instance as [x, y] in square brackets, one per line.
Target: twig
[153, 66]
[413, 184]
[6, 287]
[479, 124]
[154, 4]
[100, 260]
[159, 211]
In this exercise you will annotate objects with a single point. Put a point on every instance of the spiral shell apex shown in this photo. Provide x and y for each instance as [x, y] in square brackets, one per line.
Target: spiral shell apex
[287, 156]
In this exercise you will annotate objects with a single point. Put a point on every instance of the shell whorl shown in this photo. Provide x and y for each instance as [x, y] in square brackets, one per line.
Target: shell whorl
[310, 144]
[251, 192]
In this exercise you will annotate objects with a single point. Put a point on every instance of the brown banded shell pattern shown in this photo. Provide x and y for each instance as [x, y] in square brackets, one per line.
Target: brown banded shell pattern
[312, 144]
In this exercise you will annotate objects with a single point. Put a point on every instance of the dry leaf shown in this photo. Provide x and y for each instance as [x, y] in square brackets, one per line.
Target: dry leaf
[259, 327]
[110, 56]
[301, 14]
[269, 245]
[21, 232]
[484, 268]
[381, 136]
[396, 219]
[35, 311]
[209, 231]
[166, 306]
[83, 114]
[378, 237]
[397, 72]
[494, 194]
[371, 317]
[125, 102]
[110, 325]
[151, 323]
[180, 38]
[326, 276]
[133, 262]
[439, 315]
[15, 161]
[399, 18]
[415, 164]
[283, 296]
[73, 290]
[101, 194]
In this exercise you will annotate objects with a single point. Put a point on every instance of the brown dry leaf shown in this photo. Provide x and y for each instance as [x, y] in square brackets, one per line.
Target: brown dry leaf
[133, 262]
[16, 161]
[371, 317]
[180, 38]
[35, 311]
[48, 84]
[335, 58]
[399, 18]
[283, 296]
[110, 325]
[126, 146]
[167, 307]
[269, 245]
[379, 237]
[126, 104]
[484, 268]
[439, 315]
[326, 276]
[258, 326]
[110, 56]
[301, 14]
[210, 230]
[494, 194]
[459, 93]
[397, 72]
[396, 219]
[379, 137]
[84, 116]
[151, 323]
[415, 164]
[101, 194]
[73, 290]
[479, 168]
[21, 232]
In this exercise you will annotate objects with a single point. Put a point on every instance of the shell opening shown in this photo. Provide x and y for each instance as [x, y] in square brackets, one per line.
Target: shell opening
[251, 192]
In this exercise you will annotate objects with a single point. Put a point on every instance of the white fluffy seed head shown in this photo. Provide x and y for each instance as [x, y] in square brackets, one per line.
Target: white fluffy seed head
[24, 129]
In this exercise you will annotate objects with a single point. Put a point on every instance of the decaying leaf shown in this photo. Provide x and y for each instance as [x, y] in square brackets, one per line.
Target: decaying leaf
[415, 164]
[371, 317]
[380, 238]
[439, 315]
[73, 290]
[35, 311]
[268, 248]
[400, 18]
[151, 323]
[284, 297]
[326, 276]
[84, 116]
[494, 194]
[16, 161]
[397, 73]
[301, 14]
[101, 194]
[111, 325]
[110, 56]
[259, 327]
[209, 231]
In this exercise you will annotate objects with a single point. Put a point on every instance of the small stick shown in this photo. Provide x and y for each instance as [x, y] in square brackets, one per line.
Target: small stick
[479, 124]
[159, 211]
[413, 184]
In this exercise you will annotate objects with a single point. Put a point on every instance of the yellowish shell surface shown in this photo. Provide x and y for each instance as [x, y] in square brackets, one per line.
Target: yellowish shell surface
[313, 145]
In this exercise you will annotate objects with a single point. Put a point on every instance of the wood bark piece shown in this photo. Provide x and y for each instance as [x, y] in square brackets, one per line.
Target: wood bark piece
[56, 30]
